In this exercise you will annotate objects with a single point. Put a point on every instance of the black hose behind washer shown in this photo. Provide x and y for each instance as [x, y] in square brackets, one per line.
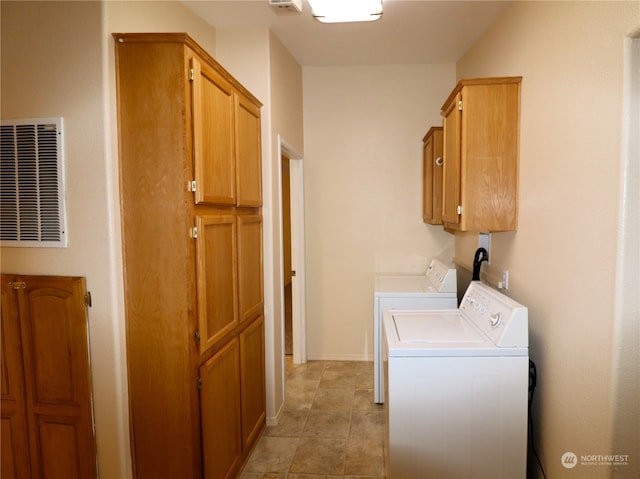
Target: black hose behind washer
[480, 256]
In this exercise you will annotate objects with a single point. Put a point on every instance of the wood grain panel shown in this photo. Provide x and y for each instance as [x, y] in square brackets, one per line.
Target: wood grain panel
[252, 382]
[248, 151]
[14, 461]
[158, 257]
[427, 179]
[213, 126]
[490, 156]
[216, 279]
[451, 168]
[251, 299]
[59, 439]
[432, 176]
[52, 363]
[11, 456]
[220, 413]
[437, 159]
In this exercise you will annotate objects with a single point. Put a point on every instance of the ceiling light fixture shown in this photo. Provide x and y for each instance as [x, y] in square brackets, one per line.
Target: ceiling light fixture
[339, 11]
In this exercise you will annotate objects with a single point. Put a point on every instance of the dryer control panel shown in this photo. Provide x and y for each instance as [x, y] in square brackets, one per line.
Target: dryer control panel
[498, 316]
[441, 277]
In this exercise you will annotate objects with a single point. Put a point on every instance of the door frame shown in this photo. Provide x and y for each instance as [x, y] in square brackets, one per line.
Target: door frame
[298, 282]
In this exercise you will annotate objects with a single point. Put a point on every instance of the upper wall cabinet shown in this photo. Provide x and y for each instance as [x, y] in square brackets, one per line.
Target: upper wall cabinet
[481, 121]
[226, 138]
[432, 176]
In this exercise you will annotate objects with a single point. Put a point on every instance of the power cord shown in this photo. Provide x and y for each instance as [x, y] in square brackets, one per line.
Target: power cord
[533, 377]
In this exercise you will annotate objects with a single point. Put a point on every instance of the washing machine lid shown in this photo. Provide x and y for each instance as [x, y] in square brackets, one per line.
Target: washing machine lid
[438, 280]
[443, 333]
[400, 285]
[443, 327]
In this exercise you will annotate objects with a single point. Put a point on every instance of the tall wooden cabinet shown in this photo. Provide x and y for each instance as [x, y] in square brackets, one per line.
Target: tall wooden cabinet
[481, 120]
[190, 170]
[432, 176]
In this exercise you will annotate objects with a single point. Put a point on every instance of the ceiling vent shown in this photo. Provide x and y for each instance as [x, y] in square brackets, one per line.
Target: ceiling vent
[32, 210]
[289, 6]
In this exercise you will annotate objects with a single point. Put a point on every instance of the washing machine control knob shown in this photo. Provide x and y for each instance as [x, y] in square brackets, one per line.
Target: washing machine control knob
[495, 320]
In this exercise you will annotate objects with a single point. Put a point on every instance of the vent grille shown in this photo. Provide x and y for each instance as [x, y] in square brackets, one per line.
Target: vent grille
[31, 183]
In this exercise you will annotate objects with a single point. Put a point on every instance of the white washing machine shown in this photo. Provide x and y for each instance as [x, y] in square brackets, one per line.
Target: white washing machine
[436, 289]
[457, 389]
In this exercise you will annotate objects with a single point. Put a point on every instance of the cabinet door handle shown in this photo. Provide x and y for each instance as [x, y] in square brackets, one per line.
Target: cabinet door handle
[439, 161]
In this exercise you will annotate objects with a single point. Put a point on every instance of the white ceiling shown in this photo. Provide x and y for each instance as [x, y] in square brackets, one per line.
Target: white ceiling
[409, 32]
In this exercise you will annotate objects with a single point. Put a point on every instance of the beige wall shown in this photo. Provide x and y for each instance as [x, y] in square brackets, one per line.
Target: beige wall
[363, 130]
[286, 95]
[52, 65]
[133, 16]
[285, 87]
[562, 261]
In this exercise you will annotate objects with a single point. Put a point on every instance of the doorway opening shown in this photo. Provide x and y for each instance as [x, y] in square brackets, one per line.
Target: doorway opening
[287, 271]
[292, 252]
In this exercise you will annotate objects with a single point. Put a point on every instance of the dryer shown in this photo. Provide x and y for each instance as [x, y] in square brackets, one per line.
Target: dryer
[457, 389]
[436, 289]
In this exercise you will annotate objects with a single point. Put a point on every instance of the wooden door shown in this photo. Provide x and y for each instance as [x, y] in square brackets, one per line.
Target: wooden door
[250, 290]
[432, 176]
[213, 136]
[452, 161]
[15, 463]
[248, 151]
[56, 374]
[220, 413]
[252, 382]
[216, 279]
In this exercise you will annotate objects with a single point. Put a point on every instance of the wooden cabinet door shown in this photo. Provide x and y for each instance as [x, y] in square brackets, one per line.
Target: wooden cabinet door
[55, 362]
[248, 151]
[437, 160]
[216, 278]
[427, 179]
[220, 413]
[432, 176]
[490, 129]
[481, 134]
[213, 136]
[250, 290]
[15, 460]
[451, 169]
[252, 382]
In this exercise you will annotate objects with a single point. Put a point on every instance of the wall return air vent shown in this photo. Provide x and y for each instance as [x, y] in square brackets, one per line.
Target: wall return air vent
[32, 212]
